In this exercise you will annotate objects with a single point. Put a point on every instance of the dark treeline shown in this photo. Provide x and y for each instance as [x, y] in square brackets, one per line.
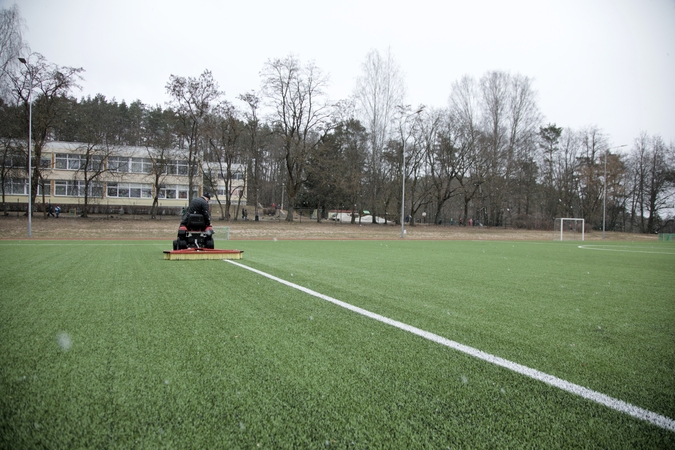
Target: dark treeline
[487, 156]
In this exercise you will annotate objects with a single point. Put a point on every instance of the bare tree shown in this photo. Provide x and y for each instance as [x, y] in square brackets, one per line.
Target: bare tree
[302, 116]
[549, 143]
[566, 171]
[98, 136]
[412, 159]
[253, 126]
[46, 86]
[465, 114]
[616, 189]
[192, 100]
[160, 143]
[379, 90]
[521, 166]
[223, 131]
[593, 144]
[652, 164]
[12, 166]
[447, 158]
[12, 47]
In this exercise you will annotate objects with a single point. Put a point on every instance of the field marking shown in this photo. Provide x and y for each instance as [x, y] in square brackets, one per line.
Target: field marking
[623, 249]
[613, 403]
[71, 243]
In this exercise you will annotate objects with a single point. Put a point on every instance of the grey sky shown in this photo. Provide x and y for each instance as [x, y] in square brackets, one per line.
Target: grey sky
[609, 63]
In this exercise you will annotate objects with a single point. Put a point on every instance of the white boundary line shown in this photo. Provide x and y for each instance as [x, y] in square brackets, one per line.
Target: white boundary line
[83, 242]
[618, 405]
[622, 249]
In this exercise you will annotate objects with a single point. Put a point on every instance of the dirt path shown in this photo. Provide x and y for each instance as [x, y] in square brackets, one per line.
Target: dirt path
[137, 227]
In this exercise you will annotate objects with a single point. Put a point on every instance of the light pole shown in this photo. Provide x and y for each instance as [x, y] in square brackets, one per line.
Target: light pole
[416, 113]
[604, 193]
[403, 195]
[30, 143]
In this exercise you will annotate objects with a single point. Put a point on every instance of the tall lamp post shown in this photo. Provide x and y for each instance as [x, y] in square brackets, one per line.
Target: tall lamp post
[30, 143]
[416, 113]
[604, 192]
[403, 195]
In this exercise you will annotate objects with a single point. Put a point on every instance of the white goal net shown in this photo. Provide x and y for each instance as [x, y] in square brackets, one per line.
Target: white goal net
[568, 229]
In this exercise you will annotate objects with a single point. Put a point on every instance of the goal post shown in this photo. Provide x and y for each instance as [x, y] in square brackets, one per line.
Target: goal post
[568, 229]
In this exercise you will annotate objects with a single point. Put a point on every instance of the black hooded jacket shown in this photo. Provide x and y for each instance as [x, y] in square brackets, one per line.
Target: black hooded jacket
[198, 205]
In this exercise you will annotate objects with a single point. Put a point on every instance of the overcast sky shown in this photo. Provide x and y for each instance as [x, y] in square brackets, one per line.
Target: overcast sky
[608, 63]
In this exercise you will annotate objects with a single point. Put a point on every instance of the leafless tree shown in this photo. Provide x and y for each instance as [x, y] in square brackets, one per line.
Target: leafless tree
[566, 171]
[465, 116]
[12, 165]
[192, 99]
[301, 117]
[410, 157]
[46, 86]
[158, 138]
[99, 142]
[12, 47]
[652, 165]
[224, 131]
[447, 158]
[379, 90]
[255, 145]
[593, 145]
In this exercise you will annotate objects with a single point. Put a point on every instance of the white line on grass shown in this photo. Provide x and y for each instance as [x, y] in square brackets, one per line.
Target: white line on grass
[618, 405]
[622, 249]
[71, 243]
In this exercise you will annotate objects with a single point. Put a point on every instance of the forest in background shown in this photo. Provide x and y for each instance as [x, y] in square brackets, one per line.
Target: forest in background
[487, 156]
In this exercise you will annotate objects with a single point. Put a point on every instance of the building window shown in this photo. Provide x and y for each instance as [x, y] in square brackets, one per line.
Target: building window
[15, 161]
[48, 189]
[75, 188]
[175, 167]
[65, 161]
[235, 176]
[125, 164]
[141, 165]
[95, 163]
[46, 161]
[118, 164]
[175, 192]
[129, 190]
[16, 186]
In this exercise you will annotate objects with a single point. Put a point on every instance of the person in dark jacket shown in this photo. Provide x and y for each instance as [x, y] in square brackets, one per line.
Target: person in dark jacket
[198, 205]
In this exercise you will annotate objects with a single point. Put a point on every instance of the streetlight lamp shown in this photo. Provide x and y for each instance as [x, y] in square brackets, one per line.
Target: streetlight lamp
[416, 113]
[604, 193]
[30, 143]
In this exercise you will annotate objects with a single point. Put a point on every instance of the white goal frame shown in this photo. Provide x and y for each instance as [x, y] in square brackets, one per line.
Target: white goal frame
[562, 226]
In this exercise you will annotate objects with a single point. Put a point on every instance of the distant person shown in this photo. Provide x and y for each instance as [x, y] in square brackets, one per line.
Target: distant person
[244, 214]
[57, 211]
[198, 205]
[50, 210]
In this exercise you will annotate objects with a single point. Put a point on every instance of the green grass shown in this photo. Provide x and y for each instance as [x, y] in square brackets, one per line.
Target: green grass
[106, 345]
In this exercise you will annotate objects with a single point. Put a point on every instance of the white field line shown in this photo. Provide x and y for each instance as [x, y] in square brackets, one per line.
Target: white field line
[83, 242]
[618, 405]
[620, 249]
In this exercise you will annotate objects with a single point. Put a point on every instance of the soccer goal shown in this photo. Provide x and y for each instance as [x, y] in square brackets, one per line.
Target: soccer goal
[568, 229]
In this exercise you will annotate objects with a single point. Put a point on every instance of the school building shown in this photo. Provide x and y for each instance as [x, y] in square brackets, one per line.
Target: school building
[126, 184]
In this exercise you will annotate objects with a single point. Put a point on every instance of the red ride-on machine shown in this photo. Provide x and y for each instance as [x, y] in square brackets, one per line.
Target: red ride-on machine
[195, 241]
[194, 235]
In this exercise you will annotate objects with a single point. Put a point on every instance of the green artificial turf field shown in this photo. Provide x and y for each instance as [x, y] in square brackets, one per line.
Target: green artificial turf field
[103, 344]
